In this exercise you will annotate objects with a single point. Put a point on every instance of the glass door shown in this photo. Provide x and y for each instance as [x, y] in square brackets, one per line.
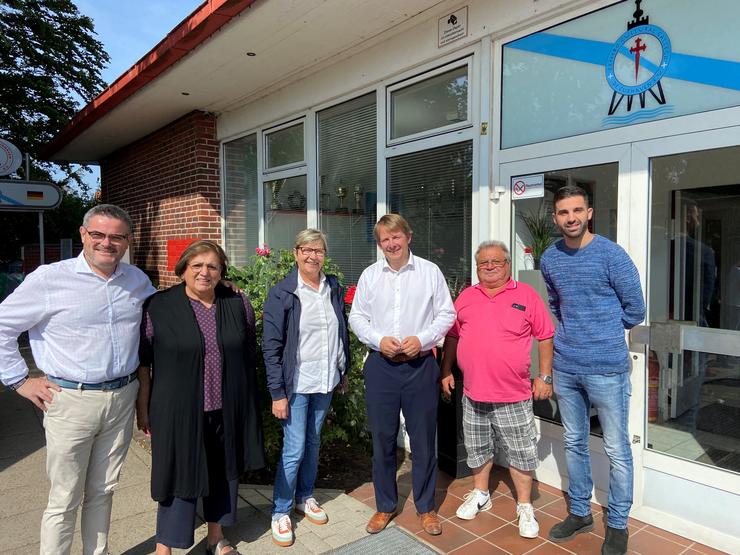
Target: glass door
[694, 306]
[526, 223]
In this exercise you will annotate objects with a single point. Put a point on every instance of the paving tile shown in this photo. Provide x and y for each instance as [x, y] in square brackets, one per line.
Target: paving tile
[647, 543]
[409, 520]
[549, 548]
[478, 547]
[584, 543]
[447, 505]
[504, 507]
[558, 509]
[484, 523]
[541, 497]
[451, 538]
[508, 538]
[363, 492]
[675, 538]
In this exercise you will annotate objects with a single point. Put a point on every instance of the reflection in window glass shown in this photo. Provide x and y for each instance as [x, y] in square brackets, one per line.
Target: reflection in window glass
[240, 199]
[436, 102]
[694, 395]
[285, 211]
[432, 189]
[534, 231]
[285, 146]
[347, 183]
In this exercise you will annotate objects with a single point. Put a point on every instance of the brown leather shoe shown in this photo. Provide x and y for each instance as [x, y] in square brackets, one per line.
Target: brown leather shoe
[430, 523]
[378, 522]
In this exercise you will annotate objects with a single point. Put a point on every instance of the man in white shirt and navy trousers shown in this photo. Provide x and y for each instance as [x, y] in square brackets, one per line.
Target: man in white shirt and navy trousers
[83, 317]
[401, 309]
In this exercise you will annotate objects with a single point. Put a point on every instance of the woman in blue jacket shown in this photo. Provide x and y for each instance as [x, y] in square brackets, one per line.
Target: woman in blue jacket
[305, 345]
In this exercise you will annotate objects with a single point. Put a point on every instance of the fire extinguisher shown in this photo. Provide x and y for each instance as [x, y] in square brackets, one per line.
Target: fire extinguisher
[653, 386]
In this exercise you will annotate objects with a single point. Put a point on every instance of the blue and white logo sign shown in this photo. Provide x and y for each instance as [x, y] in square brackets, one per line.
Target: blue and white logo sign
[639, 60]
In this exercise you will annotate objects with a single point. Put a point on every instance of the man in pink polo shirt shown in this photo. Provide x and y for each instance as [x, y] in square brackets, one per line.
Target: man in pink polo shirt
[491, 341]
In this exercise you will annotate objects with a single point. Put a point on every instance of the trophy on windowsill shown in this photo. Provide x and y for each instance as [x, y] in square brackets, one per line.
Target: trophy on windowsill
[341, 195]
[275, 187]
[358, 197]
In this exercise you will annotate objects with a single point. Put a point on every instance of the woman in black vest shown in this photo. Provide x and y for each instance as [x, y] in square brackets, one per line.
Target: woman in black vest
[198, 399]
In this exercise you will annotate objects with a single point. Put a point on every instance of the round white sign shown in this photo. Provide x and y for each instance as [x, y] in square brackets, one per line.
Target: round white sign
[10, 157]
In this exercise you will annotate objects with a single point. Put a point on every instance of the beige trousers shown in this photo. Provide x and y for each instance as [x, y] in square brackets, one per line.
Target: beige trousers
[87, 438]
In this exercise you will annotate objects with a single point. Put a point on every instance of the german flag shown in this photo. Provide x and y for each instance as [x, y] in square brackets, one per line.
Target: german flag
[34, 195]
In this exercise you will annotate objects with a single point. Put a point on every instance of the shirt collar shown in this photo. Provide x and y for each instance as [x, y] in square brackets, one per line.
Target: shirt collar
[511, 284]
[409, 263]
[82, 266]
[322, 282]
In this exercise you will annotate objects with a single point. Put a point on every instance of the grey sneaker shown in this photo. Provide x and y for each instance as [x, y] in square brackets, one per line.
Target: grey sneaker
[615, 542]
[570, 528]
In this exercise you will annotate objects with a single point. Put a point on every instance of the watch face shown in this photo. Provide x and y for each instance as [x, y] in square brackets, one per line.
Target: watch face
[638, 60]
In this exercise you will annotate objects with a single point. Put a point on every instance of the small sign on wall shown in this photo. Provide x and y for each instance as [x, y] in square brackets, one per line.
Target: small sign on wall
[528, 186]
[175, 248]
[453, 27]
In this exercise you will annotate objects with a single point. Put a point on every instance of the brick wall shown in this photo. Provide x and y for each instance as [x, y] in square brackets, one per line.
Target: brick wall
[169, 183]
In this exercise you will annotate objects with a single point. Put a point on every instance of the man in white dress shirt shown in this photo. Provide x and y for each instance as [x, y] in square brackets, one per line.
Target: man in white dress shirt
[401, 309]
[82, 317]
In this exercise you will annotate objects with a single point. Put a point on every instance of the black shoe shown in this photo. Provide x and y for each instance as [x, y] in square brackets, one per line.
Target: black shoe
[615, 542]
[570, 527]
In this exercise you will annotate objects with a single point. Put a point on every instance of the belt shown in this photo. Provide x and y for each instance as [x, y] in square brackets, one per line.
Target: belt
[103, 386]
[405, 358]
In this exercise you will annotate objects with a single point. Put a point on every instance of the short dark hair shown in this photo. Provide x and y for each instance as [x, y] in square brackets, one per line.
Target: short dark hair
[199, 247]
[108, 211]
[569, 191]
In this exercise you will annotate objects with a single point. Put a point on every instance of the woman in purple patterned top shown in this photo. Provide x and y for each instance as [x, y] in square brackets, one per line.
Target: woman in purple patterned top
[198, 399]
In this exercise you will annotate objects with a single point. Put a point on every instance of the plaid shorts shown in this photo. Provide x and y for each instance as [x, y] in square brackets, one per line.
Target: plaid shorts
[508, 425]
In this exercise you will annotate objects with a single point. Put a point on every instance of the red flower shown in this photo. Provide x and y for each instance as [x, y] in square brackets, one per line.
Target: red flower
[264, 251]
[527, 250]
[350, 295]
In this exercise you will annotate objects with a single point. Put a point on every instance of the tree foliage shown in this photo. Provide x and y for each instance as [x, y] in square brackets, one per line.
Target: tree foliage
[50, 62]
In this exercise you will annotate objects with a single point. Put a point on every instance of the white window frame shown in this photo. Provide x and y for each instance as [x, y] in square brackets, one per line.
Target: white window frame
[466, 62]
[287, 125]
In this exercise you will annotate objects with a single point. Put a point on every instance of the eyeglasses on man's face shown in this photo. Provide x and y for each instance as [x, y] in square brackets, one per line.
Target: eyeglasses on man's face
[493, 263]
[99, 236]
[197, 267]
[308, 251]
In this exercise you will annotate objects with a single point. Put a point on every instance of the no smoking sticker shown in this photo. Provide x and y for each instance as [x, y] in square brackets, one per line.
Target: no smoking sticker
[528, 186]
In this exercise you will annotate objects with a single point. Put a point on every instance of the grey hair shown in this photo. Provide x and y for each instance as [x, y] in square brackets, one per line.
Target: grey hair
[309, 236]
[108, 211]
[491, 244]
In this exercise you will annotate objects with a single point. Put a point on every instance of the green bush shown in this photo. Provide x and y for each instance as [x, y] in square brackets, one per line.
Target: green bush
[347, 418]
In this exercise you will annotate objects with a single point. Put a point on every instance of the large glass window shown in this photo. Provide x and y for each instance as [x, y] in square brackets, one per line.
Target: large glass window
[347, 183]
[435, 103]
[285, 210]
[240, 198]
[432, 189]
[534, 231]
[284, 147]
[694, 385]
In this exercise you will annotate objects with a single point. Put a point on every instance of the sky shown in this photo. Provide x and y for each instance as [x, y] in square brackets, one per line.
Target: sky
[129, 29]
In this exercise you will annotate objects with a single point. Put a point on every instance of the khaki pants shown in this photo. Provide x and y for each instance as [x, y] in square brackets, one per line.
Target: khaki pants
[87, 438]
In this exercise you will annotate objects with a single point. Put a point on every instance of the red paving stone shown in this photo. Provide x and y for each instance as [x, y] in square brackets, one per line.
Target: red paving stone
[495, 531]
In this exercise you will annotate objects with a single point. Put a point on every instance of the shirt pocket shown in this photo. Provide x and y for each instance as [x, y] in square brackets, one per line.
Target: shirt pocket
[514, 321]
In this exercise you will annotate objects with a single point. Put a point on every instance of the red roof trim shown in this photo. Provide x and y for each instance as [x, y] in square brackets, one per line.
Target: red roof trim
[193, 31]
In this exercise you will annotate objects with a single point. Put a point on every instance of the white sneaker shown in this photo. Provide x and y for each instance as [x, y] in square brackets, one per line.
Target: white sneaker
[282, 531]
[312, 511]
[475, 501]
[528, 527]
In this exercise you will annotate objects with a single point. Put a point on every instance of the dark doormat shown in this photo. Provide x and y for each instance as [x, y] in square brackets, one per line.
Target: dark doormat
[721, 419]
[390, 540]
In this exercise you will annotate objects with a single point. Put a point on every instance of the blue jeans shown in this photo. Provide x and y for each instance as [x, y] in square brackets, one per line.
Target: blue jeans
[609, 394]
[299, 461]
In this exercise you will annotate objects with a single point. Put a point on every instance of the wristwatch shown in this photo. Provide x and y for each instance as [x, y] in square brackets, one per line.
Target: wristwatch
[546, 379]
[19, 383]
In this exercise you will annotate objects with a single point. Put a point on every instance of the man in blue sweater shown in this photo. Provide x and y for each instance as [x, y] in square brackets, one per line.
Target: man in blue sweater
[595, 293]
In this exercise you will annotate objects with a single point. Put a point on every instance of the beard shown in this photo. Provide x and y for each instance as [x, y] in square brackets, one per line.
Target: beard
[575, 232]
